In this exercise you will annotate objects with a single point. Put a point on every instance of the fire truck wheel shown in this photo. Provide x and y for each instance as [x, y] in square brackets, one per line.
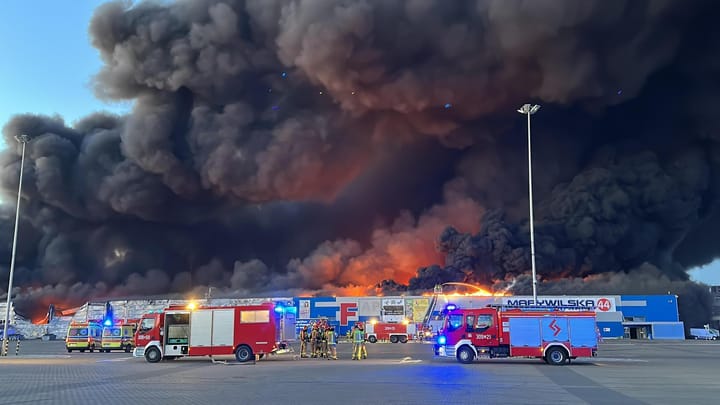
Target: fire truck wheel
[243, 353]
[372, 339]
[556, 356]
[465, 355]
[152, 355]
[403, 339]
[393, 339]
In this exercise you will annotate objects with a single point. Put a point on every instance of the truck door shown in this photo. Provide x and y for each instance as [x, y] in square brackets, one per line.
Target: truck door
[482, 328]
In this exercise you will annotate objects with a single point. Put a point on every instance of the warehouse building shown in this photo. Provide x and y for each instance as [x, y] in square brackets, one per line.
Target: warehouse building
[618, 316]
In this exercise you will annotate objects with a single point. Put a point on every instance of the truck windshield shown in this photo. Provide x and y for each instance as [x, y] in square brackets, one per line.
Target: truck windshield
[147, 324]
[454, 321]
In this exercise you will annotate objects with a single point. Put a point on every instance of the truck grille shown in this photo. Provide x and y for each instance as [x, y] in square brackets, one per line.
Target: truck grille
[449, 351]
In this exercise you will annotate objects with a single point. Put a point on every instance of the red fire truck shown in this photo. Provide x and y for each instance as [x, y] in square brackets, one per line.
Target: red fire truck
[394, 332]
[554, 336]
[208, 331]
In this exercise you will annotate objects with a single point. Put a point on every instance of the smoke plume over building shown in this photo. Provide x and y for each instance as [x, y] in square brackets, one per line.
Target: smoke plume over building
[326, 146]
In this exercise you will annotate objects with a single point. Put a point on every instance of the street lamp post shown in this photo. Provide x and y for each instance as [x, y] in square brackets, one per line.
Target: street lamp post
[23, 139]
[529, 110]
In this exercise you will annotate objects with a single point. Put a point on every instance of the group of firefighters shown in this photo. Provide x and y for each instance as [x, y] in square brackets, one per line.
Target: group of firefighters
[321, 340]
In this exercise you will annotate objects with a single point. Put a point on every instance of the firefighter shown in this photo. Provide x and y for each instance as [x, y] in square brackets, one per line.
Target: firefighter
[320, 344]
[314, 340]
[331, 343]
[324, 342]
[363, 349]
[304, 340]
[357, 339]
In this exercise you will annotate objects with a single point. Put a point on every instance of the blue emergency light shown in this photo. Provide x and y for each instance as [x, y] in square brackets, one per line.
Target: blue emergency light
[442, 340]
[108, 322]
[450, 307]
[280, 309]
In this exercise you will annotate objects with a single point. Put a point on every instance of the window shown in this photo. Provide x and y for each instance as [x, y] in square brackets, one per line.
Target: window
[484, 322]
[78, 332]
[147, 324]
[454, 322]
[111, 332]
[469, 323]
[262, 316]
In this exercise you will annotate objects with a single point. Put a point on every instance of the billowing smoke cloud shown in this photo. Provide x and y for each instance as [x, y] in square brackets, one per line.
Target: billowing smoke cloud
[324, 146]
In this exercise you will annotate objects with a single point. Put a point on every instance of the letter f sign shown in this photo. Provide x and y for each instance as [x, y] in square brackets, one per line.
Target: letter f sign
[348, 310]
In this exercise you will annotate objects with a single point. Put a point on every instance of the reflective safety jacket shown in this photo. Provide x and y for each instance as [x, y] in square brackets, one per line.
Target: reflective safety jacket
[330, 337]
[358, 336]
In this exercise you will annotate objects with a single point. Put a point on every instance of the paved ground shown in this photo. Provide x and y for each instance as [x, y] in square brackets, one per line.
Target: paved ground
[625, 373]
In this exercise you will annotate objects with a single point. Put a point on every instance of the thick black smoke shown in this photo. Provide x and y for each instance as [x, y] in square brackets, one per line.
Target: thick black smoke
[323, 145]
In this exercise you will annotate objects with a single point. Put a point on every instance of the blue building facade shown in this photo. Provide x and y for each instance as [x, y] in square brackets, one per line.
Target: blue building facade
[618, 316]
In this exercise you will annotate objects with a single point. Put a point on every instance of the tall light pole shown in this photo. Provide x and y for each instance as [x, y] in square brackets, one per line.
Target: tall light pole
[23, 139]
[529, 110]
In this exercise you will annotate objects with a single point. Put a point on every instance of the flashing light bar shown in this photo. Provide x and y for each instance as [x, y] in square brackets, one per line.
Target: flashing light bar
[450, 307]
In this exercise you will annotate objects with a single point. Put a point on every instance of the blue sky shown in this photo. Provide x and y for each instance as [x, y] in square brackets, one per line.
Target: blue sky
[48, 62]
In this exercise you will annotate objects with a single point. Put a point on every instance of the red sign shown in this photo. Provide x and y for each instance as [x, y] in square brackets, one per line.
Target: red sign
[347, 310]
[555, 327]
[604, 304]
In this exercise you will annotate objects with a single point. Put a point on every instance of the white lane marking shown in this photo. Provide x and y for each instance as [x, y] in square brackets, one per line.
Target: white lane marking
[597, 359]
[120, 359]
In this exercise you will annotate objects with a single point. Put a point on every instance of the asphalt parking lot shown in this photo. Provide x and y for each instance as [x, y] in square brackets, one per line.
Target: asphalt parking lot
[626, 372]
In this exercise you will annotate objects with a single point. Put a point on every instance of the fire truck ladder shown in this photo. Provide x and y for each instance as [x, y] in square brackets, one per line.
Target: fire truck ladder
[437, 291]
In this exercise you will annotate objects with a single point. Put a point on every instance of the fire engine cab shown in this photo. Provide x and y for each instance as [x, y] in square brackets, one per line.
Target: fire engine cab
[244, 331]
[554, 336]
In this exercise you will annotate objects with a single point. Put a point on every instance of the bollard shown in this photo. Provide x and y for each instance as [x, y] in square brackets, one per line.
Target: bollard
[17, 347]
[5, 347]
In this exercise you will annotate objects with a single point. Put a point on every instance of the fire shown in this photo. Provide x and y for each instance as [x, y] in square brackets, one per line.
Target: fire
[479, 291]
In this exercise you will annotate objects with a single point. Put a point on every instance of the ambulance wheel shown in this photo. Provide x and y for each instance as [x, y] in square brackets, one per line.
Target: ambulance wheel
[128, 349]
[372, 339]
[69, 350]
[556, 356]
[403, 339]
[82, 350]
[152, 355]
[243, 353]
[393, 339]
[465, 355]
